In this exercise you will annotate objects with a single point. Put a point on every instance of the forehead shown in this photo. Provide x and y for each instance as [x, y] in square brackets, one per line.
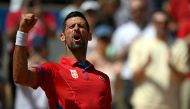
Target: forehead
[160, 17]
[75, 20]
[136, 4]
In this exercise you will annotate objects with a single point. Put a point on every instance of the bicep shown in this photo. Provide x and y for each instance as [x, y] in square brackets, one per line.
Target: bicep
[32, 78]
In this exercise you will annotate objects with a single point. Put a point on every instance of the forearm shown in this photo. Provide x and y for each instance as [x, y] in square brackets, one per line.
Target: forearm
[179, 75]
[21, 74]
[138, 77]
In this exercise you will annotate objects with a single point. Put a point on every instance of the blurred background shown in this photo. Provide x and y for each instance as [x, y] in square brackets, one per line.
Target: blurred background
[142, 45]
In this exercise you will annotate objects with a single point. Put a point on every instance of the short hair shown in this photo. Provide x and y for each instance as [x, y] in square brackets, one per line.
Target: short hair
[75, 14]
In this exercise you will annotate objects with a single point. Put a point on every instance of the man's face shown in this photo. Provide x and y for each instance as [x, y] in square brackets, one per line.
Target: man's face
[76, 34]
[138, 10]
[160, 22]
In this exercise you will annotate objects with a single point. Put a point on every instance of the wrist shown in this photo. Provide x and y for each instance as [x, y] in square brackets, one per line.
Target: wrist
[21, 38]
[23, 30]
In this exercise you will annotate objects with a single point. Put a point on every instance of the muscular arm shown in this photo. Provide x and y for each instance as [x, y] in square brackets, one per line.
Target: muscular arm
[21, 74]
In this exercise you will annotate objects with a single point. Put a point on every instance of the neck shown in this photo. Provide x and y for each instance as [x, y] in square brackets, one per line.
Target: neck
[140, 23]
[77, 54]
[162, 37]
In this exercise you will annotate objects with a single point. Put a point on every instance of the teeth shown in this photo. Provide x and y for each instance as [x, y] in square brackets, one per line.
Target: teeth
[76, 37]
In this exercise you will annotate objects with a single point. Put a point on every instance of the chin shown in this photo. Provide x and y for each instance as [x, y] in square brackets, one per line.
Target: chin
[75, 46]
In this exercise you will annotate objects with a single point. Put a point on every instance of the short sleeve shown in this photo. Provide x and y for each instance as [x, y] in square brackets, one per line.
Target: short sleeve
[45, 76]
[180, 56]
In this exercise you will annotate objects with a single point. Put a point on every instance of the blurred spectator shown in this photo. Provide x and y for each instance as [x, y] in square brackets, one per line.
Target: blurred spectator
[185, 93]
[179, 10]
[15, 5]
[137, 26]
[90, 9]
[45, 27]
[2, 95]
[123, 13]
[33, 98]
[108, 9]
[123, 37]
[184, 34]
[184, 29]
[12, 22]
[2, 87]
[98, 57]
[158, 68]
[73, 6]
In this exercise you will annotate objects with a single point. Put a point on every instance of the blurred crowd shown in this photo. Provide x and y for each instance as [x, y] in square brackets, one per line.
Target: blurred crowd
[142, 45]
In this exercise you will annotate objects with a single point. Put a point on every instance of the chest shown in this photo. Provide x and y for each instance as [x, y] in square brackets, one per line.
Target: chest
[76, 81]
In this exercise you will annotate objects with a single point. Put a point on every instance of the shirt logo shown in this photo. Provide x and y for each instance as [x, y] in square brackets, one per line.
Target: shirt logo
[74, 74]
[101, 78]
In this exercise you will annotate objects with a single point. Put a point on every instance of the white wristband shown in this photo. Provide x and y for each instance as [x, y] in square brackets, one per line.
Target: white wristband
[21, 38]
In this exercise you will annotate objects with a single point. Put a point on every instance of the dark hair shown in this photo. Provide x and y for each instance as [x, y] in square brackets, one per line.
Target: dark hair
[75, 14]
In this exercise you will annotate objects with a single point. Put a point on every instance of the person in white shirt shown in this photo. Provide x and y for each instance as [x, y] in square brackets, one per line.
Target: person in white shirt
[123, 37]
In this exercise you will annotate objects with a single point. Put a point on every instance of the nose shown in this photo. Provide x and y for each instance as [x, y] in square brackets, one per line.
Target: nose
[76, 27]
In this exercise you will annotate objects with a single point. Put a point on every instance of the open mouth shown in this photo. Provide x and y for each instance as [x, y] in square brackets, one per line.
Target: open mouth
[77, 38]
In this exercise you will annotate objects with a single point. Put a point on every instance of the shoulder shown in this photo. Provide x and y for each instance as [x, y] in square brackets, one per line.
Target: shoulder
[180, 43]
[103, 75]
[95, 71]
[142, 41]
[50, 66]
[179, 46]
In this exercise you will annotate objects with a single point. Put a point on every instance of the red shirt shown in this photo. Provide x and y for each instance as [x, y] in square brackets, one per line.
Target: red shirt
[179, 9]
[184, 29]
[13, 19]
[69, 85]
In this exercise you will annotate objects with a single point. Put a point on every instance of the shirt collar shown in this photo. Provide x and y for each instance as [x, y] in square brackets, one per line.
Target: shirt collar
[73, 62]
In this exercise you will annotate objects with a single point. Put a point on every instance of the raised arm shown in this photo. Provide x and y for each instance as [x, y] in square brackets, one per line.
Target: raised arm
[21, 74]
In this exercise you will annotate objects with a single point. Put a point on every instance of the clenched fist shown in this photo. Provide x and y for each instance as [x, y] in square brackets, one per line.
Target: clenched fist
[27, 22]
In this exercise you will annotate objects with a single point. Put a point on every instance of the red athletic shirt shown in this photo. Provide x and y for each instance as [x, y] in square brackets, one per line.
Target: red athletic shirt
[70, 85]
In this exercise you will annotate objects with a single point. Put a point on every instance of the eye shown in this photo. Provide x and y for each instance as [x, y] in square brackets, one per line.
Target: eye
[71, 26]
[81, 26]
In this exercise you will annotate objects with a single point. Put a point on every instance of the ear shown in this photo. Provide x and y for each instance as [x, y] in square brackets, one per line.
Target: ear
[89, 36]
[62, 37]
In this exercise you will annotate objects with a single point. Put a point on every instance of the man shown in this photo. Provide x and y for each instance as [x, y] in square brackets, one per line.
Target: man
[138, 26]
[72, 83]
[159, 65]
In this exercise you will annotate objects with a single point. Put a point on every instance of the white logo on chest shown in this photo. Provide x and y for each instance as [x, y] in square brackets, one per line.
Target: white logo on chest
[74, 73]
